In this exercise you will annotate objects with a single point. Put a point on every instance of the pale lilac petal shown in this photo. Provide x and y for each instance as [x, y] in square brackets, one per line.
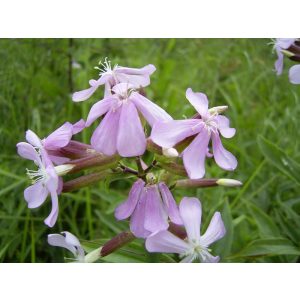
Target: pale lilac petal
[156, 218]
[194, 155]
[215, 231]
[27, 151]
[51, 219]
[191, 212]
[284, 43]
[151, 112]
[198, 100]
[122, 88]
[279, 62]
[136, 81]
[87, 93]
[33, 139]
[59, 240]
[224, 127]
[208, 258]
[99, 109]
[125, 209]
[59, 138]
[168, 133]
[138, 218]
[294, 74]
[188, 259]
[72, 240]
[60, 185]
[58, 160]
[136, 77]
[104, 138]
[131, 139]
[147, 70]
[35, 195]
[223, 158]
[166, 242]
[170, 204]
[78, 126]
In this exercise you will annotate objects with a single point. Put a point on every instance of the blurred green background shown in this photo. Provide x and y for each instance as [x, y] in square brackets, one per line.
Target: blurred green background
[37, 77]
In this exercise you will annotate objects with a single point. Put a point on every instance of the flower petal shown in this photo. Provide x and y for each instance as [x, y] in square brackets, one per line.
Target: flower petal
[104, 138]
[170, 204]
[284, 43]
[208, 258]
[225, 130]
[191, 212]
[156, 218]
[131, 139]
[36, 194]
[147, 70]
[168, 133]
[27, 151]
[99, 109]
[223, 158]
[194, 155]
[33, 139]
[51, 219]
[279, 62]
[59, 138]
[188, 259]
[72, 240]
[294, 74]
[215, 230]
[138, 218]
[125, 209]
[198, 100]
[85, 94]
[166, 242]
[78, 126]
[59, 240]
[151, 112]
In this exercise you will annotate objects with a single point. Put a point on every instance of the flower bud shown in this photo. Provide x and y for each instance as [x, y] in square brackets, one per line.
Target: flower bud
[170, 152]
[93, 255]
[63, 169]
[218, 109]
[229, 182]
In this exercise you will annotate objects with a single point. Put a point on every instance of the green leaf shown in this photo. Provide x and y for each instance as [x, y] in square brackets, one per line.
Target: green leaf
[265, 224]
[277, 157]
[268, 247]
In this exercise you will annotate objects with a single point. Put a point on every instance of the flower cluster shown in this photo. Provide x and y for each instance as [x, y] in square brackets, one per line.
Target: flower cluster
[178, 147]
[290, 48]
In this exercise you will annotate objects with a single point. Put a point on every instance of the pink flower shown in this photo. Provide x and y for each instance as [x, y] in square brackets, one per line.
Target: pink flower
[111, 76]
[121, 129]
[68, 241]
[168, 133]
[195, 246]
[281, 44]
[149, 207]
[45, 180]
[61, 138]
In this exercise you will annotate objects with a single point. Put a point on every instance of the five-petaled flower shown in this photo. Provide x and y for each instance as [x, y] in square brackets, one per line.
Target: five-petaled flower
[195, 246]
[121, 129]
[45, 180]
[68, 241]
[111, 76]
[169, 133]
[150, 207]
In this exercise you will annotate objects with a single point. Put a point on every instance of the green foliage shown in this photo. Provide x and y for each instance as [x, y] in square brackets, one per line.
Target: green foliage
[261, 218]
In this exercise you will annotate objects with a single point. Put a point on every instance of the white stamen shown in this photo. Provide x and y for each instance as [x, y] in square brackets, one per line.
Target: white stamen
[40, 175]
